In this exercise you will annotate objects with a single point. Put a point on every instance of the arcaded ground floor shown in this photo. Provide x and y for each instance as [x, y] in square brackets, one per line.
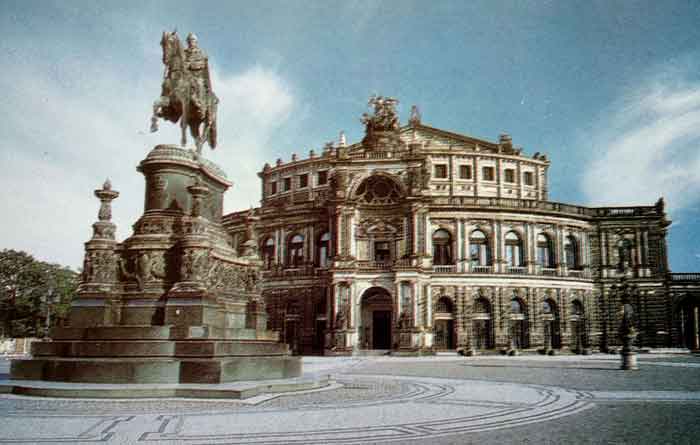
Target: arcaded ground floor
[427, 400]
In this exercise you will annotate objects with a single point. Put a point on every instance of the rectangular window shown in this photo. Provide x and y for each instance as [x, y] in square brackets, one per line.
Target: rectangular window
[322, 177]
[465, 172]
[382, 254]
[487, 174]
[528, 178]
[287, 184]
[509, 175]
[303, 181]
[441, 171]
[273, 187]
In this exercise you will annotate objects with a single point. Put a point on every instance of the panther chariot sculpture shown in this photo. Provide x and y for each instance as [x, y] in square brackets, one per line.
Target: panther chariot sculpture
[186, 94]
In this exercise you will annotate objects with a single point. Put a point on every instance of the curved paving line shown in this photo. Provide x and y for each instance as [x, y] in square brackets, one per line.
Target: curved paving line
[548, 407]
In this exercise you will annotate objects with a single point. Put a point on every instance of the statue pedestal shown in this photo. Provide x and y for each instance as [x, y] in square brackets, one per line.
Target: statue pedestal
[173, 303]
[628, 360]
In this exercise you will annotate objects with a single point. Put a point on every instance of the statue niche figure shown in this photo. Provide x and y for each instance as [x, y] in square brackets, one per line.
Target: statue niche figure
[186, 93]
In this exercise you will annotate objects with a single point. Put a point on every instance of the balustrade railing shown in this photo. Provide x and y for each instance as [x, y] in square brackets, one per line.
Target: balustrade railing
[445, 268]
[684, 276]
[516, 203]
[311, 270]
[374, 265]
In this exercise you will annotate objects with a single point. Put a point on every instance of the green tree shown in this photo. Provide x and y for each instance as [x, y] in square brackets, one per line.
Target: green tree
[25, 284]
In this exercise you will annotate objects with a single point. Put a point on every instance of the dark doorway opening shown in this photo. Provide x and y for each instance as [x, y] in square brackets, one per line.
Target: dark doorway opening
[381, 330]
[444, 334]
[319, 337]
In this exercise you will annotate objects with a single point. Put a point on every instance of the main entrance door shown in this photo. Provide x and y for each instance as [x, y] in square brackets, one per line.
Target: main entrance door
[381, 332]
[443, 334]
[376, 318]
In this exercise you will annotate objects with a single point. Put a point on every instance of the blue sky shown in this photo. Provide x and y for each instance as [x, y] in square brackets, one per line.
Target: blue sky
[609, 90]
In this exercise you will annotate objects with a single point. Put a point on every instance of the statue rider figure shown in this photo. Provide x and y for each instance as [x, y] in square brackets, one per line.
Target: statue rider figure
[196, 65]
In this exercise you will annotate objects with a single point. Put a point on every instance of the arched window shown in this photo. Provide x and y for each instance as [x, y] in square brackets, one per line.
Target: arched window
[295, 251]
[482, 306]
[479, 249]
[576, 309]
[571, 251]
[268, 251]
[444, 305]
[544, 251]
[516, 307]
[324, 249]
[624, 251]
[378, 190]
[442, 247]
[514, 250]
[546, 307]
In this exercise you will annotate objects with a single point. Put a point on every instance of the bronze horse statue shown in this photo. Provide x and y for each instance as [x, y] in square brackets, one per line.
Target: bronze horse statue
[186, 94]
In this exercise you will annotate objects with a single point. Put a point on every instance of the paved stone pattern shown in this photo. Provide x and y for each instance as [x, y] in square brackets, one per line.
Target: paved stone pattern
[442, 400]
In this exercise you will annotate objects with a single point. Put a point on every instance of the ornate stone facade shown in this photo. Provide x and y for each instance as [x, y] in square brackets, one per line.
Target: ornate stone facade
[419, 238]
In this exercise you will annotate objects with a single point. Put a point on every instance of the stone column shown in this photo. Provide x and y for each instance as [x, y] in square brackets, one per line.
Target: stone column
[604, 260]
[497, 247]
[99, 270]
[429, 308]
[696, 329]
[561, 257]
[188, 303]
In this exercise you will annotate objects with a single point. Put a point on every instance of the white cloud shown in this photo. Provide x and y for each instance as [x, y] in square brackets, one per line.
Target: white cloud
[648, 145]
[60, 141]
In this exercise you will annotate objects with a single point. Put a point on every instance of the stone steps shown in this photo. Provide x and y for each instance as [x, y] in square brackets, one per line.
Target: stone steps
[156, 370]
[157, 348]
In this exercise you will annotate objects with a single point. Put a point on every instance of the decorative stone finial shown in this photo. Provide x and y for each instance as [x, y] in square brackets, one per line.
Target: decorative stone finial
[294, 157]
[505, 140]
[106, 195]
[414, 119]
[279, 162]
[104, 228]
[342, 141]
[312, 153]
[250, 246]
[660, 205]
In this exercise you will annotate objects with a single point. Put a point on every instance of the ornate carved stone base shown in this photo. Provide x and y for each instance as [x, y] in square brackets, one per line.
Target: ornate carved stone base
[173, 303]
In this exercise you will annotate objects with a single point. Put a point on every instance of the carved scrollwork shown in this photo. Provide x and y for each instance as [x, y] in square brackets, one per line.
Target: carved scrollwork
[194, 265]
[99, 266]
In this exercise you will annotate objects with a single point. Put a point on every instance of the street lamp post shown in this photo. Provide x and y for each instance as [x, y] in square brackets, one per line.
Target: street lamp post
[627, 330]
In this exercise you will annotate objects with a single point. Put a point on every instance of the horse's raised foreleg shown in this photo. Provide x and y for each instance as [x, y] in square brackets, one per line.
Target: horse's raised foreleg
[154, 117]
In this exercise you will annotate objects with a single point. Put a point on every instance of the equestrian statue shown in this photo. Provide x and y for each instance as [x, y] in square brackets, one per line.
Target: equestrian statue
[186, 94]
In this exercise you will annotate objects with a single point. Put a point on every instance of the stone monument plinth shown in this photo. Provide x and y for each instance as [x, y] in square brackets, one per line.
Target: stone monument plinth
[173, 303]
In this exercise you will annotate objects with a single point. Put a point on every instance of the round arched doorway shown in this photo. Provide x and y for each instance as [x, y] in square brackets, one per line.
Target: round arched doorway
[481, 324]
[376, 315]
[444, 324]
[550, 319]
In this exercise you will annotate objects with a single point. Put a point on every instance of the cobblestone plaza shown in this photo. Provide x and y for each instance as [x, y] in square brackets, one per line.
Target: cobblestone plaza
[442, 399]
